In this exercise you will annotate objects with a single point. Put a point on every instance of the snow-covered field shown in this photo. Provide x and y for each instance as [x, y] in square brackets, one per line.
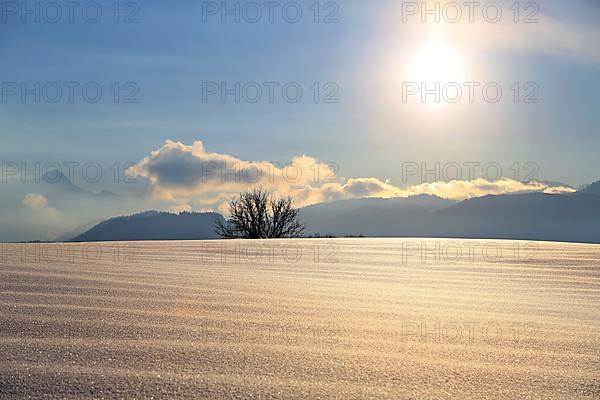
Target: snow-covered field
[336, 318]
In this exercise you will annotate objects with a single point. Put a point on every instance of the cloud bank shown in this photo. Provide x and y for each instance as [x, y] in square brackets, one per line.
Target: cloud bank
[191, 175]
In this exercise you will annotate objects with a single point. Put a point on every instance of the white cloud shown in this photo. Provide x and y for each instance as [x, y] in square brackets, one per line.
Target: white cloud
[186, 175]
[35, 201]
[460, 190]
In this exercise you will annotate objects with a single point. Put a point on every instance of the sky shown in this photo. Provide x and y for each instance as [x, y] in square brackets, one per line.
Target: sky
[155, 97]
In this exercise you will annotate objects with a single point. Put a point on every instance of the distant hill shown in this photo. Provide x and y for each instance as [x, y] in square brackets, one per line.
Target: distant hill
[573, 217]
[65, 237]
[371, 217]
[153, 225]
[530, 216]
[593, 188]
[55, 183]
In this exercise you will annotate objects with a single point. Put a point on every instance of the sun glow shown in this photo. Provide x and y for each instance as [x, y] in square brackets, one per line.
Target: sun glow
[437, 62]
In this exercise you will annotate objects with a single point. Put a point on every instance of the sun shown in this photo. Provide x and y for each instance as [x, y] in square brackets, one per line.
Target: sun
[435, 62]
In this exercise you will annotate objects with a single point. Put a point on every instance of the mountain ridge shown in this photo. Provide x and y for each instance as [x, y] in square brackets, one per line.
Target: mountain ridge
[153, 225]
[570, 217]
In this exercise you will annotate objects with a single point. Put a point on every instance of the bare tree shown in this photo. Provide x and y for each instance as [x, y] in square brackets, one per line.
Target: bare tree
[258, 215]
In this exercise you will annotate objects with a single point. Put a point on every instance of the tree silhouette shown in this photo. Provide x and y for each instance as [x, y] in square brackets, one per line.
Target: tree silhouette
[258, 215]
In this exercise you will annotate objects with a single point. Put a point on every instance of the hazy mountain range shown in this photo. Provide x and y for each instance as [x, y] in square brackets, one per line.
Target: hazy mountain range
[55, 183]
[529, 216]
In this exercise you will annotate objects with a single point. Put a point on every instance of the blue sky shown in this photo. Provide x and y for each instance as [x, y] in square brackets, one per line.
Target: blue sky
[369, 132]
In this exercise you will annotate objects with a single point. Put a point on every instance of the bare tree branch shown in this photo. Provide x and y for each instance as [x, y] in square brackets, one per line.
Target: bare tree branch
[257, 215]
